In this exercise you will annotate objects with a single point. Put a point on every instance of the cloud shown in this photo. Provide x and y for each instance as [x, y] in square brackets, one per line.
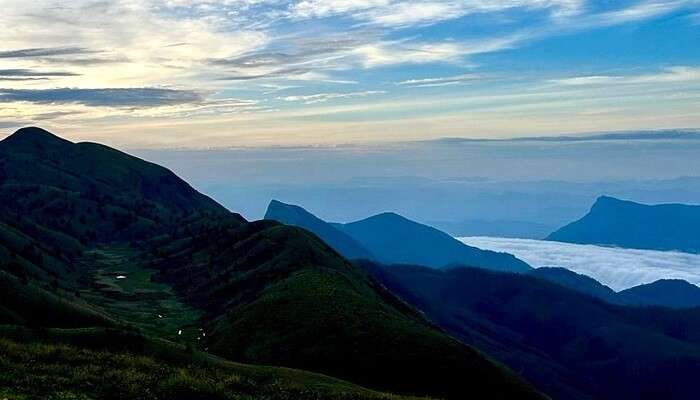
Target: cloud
[44, 52]
[110, 97]
[323, 97]
[23, 72]
[618, 268]
[401, 14]
[443, 81]
[676, 74]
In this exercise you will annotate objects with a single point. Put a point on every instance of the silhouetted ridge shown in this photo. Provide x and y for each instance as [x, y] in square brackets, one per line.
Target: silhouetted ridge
[90, 192]
[391, 238]
[26, 138]
[674, 293]
[294, 215]
[623, 223]
[579, 282]
[394, 239]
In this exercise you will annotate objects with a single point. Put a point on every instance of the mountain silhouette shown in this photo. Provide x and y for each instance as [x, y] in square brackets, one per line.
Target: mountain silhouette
[393, 239]
[614, 222]
[337, 239]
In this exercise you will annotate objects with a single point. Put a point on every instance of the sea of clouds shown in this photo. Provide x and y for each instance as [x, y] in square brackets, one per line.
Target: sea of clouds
[616, 267]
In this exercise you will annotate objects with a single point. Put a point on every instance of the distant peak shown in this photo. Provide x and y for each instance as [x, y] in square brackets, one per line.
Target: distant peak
[278, 205]
[604, 199]
[35, 136]
[609, 201]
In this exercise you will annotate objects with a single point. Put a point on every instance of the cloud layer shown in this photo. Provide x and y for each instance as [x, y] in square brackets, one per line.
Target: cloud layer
[616, 267]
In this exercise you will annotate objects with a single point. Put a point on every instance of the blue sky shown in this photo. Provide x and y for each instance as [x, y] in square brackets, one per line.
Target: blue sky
[207, 74]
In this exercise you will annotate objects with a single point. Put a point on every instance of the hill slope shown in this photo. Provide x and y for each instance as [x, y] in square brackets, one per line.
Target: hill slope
[277, 295]
[674, 293]
[621, 223]
[296, 216]
[88, 193]
[580, 283]
[567, 343]
[113, 365]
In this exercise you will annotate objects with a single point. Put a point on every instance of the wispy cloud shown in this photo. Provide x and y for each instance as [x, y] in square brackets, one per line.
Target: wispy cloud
[393, 13]
[44, 52]
[442, 81]
[24, 72]
[323, 97]
[111, 97]
[668, 75]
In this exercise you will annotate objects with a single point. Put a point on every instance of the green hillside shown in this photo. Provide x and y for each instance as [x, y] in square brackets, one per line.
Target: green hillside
[108, 364]
[278, 295]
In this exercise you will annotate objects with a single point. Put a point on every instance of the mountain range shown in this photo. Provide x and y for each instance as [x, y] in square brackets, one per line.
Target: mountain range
[671, 293]
[119, 280]
[569, 344]
[398, 240]
[120, 269]
[392, 239]
[614, 222]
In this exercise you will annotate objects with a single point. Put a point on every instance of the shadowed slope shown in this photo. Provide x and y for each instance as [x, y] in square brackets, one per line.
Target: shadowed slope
[568, 343]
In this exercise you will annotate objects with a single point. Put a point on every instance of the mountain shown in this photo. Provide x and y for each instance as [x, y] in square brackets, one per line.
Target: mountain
[86, 193]
[337, 239]
[569, 344]
[578, 282]
[277, 295]
[673, 293]
[391, 238]
[394, 239]
[614, 222]
[106, 246]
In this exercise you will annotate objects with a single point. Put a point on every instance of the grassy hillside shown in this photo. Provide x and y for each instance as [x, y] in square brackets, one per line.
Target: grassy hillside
[277, 295]
[88, 193]
[107, 364]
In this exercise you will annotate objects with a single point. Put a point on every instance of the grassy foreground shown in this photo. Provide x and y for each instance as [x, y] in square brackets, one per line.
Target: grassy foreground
[112, 364]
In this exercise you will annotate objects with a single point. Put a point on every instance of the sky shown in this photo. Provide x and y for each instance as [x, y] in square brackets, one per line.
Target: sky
[208, 74]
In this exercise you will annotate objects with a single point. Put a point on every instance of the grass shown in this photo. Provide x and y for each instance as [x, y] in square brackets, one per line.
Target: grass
[137, 299]
[46, 364]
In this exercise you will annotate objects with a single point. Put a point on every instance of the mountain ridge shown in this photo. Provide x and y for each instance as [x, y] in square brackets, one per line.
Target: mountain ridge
[392, 238]
[625, 223]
